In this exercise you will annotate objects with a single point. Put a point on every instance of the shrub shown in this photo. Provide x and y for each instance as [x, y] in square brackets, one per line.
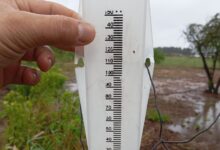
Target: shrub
[44, 117]
[159, 56]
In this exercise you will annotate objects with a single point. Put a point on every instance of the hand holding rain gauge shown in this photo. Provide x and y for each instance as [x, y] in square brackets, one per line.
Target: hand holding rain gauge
[113, 82]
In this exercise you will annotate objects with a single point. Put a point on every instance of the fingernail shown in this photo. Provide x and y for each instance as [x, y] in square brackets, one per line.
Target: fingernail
[34, 76]
[86, 32]
[50, 62]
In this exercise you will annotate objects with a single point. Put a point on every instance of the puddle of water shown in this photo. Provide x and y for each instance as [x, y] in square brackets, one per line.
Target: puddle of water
[72, 87]
[199, 107]
[206, 108]
[178, 88]
[208, 114]
[177, 128]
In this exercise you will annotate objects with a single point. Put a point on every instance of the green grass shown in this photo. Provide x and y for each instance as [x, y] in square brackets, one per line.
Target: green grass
[63, 56]
[183, 61]
[42, 117]
[152, 115]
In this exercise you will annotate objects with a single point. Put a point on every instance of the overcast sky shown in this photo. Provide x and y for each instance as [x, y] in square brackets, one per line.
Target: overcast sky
[171, 17]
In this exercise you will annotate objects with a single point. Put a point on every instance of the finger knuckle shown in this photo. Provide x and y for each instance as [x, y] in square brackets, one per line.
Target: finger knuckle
[67, 28]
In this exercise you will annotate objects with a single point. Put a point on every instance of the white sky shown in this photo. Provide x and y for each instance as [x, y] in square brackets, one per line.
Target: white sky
[171, 17]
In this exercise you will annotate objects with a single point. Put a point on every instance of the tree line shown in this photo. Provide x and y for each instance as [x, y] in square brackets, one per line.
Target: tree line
[176, 51]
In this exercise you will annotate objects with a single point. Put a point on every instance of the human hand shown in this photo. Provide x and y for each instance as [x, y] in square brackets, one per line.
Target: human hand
[26, 26]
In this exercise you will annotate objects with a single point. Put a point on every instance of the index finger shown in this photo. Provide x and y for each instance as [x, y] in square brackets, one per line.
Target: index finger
[46, 8]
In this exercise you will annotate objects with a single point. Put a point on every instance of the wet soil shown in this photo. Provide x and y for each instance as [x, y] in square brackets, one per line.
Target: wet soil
[181, 96]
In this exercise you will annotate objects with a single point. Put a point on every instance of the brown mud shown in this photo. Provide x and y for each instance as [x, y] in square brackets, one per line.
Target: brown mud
[181, 96]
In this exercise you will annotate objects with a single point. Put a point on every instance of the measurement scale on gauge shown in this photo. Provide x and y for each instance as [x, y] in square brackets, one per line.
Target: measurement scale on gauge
[113, 83]
[114, 69]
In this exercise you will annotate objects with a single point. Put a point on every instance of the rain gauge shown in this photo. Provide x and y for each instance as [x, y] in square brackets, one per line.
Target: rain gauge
[113, 81]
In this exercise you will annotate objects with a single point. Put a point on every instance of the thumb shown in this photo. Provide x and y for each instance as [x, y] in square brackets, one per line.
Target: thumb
[36, 30]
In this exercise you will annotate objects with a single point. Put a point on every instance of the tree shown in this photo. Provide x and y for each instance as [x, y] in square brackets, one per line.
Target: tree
[212, 29]
[159, 56]
[206, 40]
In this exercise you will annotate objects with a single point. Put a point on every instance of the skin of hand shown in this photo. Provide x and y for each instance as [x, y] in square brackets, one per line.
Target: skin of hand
[26, 26]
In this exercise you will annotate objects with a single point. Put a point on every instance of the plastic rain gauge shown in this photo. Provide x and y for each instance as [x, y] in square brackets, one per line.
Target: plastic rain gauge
[113, 82]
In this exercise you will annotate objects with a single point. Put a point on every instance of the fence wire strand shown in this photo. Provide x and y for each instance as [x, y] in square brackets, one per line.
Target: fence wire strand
[163, 142]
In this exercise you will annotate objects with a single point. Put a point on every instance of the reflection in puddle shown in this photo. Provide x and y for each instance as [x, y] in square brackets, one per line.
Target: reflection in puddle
[190, 92]
[182, 96]
[199, 107]
[208, 114]
[177, 128]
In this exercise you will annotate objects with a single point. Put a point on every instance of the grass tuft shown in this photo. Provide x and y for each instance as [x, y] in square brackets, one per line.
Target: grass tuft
[152, 115]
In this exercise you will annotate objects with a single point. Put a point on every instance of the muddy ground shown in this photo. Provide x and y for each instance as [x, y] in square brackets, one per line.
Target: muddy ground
[181, 96]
